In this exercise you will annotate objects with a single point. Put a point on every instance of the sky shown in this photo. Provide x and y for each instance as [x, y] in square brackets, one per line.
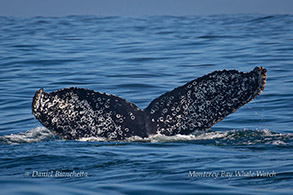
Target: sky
[30, 8]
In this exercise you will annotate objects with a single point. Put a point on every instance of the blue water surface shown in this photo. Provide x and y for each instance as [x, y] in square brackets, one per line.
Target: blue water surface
[139, 58]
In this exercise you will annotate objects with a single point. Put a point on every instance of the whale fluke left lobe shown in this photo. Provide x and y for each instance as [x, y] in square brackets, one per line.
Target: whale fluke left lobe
[74, 113]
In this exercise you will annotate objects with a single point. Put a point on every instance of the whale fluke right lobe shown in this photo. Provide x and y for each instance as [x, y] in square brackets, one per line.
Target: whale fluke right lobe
[203, 102]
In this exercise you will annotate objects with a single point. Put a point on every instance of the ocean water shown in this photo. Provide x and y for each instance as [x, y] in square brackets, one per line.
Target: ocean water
[140, 58]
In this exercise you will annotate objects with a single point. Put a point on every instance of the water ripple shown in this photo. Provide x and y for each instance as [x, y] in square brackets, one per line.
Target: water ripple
[139, 58]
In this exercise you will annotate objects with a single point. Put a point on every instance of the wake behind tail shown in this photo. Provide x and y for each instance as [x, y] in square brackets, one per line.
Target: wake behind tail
[237, 137]
[38, 134]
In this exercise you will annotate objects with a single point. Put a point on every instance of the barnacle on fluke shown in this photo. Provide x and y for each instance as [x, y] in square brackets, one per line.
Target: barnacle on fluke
[74, 113]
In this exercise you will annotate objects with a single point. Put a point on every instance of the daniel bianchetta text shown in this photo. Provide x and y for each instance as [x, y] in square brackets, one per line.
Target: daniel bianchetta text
[230, 174]
[42, 174]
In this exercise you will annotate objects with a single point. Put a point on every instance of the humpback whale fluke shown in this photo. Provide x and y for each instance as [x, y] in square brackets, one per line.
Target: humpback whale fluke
[74, 113]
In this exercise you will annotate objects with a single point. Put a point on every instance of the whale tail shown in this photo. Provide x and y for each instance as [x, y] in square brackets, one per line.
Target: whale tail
[73, 113]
